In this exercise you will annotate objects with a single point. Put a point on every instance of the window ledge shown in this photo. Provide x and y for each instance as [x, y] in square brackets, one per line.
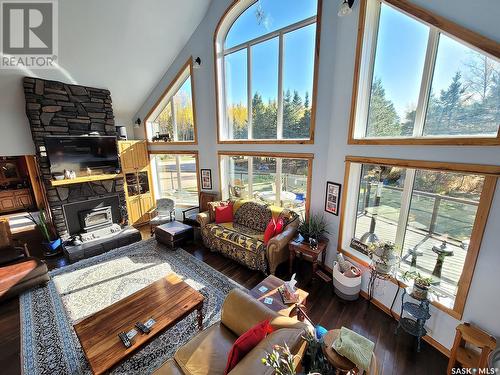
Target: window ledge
[447, 141]
[266, 141]
[364, 263]
[177, 143]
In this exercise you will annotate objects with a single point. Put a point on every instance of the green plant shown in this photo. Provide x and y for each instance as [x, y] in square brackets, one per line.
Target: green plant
[315, 226]
[417, 278]
[281, 360]
[41, 224]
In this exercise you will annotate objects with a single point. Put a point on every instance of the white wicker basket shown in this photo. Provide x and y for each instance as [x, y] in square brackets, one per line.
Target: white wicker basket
[345, 287]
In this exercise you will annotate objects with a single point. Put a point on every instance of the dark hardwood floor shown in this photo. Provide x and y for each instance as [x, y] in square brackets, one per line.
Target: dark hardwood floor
[395, 353]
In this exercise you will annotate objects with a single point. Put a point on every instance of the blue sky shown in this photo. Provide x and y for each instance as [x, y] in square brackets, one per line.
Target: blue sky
[399, 59]
[298, 51]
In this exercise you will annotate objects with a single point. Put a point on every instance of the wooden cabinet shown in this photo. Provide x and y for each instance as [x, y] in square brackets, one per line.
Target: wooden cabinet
[15, 200]
[138, 193]
[133, 155]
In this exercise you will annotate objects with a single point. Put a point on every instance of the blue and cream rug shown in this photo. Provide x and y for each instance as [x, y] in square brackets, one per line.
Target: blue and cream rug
[48, 341]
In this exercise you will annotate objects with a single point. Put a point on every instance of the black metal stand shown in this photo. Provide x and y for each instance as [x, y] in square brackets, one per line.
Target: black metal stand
[419, 313]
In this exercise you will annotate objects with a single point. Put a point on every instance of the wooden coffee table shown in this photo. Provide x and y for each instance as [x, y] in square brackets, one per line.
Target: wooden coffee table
[167, 301]
[272, 283]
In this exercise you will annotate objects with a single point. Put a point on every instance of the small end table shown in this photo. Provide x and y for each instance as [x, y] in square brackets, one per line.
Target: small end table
[341, 364]
[300, 249]
[272, 283]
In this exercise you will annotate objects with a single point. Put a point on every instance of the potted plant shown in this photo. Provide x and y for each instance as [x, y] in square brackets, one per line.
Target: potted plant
[384, 256]
[281, 360]
[421, 284]
[51, 247]
[313, 227]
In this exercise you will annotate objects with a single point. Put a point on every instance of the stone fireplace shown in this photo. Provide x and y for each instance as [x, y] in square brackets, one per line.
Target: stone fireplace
[56, 108]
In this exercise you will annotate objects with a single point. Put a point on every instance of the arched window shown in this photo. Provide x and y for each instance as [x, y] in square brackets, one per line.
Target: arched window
[266, 52]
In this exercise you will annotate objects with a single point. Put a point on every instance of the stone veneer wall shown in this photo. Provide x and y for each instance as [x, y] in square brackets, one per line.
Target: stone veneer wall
[56, 108]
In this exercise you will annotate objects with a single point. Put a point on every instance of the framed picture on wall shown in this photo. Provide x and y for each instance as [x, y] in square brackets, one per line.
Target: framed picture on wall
[332, 199]
[206, 179]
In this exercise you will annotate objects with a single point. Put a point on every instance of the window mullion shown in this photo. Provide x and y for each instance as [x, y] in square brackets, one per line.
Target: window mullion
[366, 69]
[228, 133]
[249, 92]
[279, 164]
[279, 129]
[250, 177]
[178, 172]
[425, 86]
[174, 120]
[405, 208]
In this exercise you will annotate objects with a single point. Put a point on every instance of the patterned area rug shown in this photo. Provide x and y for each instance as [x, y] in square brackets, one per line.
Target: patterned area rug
[49, 343]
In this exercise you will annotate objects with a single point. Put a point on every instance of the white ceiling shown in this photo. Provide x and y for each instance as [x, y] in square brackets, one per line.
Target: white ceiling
[123, 45]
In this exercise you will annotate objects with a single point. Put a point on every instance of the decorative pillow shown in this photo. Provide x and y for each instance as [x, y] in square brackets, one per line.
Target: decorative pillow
[224, 214]
[280, 225]
[246, 342]
[213, 205]
[270, 231]
[288, 216]
[253, 215]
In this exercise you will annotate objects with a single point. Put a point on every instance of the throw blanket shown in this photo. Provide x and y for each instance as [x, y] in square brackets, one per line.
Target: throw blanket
[356, 348]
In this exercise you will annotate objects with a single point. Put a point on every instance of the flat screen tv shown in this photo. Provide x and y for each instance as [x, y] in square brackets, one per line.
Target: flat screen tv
[77, 153]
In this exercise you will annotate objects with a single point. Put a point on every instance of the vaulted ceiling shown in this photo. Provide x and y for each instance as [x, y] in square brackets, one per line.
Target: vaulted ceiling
[122, 45]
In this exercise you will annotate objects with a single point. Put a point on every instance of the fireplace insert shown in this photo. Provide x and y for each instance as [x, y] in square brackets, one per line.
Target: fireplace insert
[95, 218]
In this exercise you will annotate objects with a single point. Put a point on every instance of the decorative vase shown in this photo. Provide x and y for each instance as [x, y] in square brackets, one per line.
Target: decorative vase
[52, 248]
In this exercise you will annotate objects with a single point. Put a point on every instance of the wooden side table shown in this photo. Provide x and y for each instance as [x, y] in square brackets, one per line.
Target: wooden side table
[341, 364]
[272, 283]
[299, 249]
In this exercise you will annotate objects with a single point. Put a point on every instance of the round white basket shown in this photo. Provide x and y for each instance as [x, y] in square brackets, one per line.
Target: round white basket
[345, 287]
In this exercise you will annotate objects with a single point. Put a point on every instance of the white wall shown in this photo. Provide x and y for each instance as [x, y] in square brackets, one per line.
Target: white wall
[338, 41]
[121, 45]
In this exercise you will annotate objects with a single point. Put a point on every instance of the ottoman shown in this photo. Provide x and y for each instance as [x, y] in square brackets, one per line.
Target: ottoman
[174, 233]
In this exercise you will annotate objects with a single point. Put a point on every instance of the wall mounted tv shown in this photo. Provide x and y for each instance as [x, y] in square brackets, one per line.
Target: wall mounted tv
[77, 153]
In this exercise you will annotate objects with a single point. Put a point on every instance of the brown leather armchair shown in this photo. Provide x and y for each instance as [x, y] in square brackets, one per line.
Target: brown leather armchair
[18, 271]
[207, 352]
[10, 250]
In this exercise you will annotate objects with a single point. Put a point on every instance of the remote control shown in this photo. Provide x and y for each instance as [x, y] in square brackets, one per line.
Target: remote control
[142, 327]
[126, 341]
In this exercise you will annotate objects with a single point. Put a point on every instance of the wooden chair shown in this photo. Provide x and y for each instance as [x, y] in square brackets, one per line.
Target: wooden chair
[467, 357]
[189, 214]
[10, 250]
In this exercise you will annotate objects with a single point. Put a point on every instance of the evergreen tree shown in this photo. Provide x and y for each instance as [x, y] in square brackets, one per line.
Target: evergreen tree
[383, 121]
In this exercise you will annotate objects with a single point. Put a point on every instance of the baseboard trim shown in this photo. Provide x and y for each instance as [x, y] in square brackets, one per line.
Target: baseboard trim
[441, 348]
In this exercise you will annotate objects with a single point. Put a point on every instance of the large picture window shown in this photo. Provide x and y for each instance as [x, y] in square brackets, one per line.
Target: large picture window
[175, 177]
[280, 180]
[433, 217]
[172, 120]
[265, 55]
[420, 83]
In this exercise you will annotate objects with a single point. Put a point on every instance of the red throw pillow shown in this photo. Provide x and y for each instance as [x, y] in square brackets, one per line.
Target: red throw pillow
[224, 214]
[280, 225]
[245, 343]
[270, 230]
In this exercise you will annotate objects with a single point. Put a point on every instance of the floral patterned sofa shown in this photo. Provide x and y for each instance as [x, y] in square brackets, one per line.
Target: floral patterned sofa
[243, 239]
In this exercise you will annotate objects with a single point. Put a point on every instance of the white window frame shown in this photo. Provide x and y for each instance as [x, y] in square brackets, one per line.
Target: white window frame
[224, 127]
[365, 77]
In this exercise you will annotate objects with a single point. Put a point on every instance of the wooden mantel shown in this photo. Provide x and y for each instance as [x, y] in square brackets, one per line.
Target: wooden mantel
[80, 180]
